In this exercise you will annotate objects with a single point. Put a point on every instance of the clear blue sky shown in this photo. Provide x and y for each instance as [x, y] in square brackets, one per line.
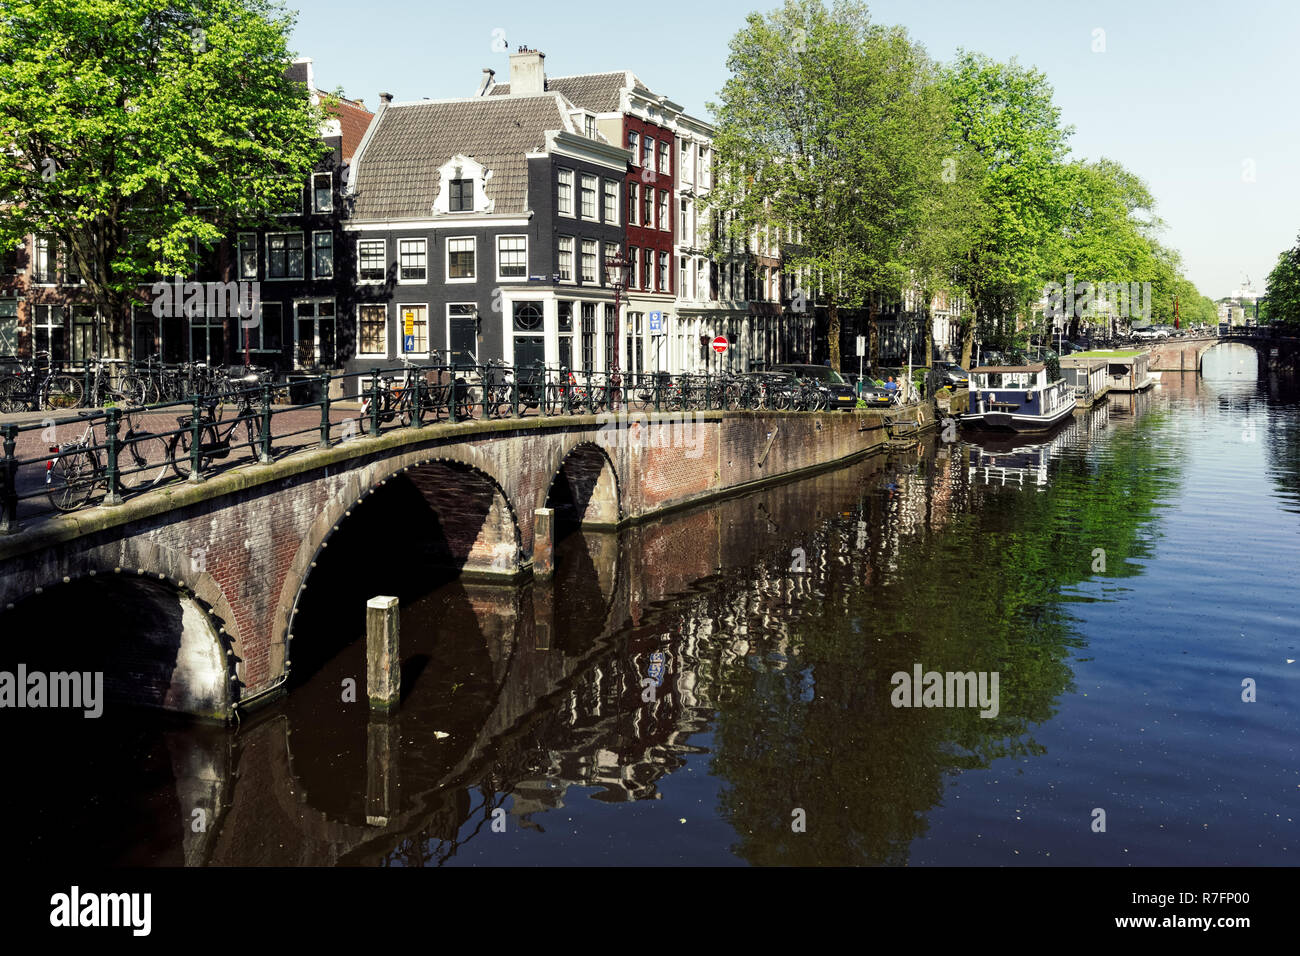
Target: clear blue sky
[1184, 95]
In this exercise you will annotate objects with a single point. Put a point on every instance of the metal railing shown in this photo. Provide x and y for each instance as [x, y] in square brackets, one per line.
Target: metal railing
[105, 456]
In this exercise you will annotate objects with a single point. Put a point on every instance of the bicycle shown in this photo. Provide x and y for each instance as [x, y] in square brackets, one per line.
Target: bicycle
[213, 443]
[29, 389]
[131, 388]
[72, 476]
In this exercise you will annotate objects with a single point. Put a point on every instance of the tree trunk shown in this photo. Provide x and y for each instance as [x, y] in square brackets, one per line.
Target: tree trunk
[873, 334]
[927, 347]
[833, 330]
[968, 338]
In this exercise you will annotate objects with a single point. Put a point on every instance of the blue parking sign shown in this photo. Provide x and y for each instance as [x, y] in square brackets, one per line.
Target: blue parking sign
[656, 323]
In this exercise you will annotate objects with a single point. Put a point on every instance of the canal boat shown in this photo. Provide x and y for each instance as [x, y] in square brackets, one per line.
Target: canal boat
[1088, 376]
[1016, 398]
[1130, 373]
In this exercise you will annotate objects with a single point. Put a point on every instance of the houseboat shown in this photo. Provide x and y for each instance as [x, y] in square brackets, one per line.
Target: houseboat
[1016, 398]
[1088, 376]
[1130, 373]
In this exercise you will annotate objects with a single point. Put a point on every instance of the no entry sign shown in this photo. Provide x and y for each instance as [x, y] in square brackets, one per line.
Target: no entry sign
[720, 344]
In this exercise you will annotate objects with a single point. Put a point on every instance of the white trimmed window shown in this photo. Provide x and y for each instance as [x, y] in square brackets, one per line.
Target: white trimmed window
[416, 318]
[512, 257]
[372, 330]
[460, 259]
[589, 260]
[611, 202]
[285, 257]
[43, 260]
[634, 267]
[372, 255]
[588, 196]
[565, 246]
[564, 193]
[322, 192]
[248, 255]
[663, 272]
[665, 221]
[322, 250]
[632, 140]
[412, 260]
[632, 205]
[665, 157]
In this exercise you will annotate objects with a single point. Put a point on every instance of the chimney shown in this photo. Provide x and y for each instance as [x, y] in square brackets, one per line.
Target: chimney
[385, 98]
[527, 73]
[485, 85]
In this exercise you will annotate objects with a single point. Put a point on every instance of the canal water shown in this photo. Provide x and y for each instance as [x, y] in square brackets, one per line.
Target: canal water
[718, 687]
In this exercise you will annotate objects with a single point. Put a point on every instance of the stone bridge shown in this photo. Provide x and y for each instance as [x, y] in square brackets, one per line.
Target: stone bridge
[192, 590]
[1275, 353]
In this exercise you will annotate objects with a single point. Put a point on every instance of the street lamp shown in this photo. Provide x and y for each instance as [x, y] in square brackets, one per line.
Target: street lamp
[616, 267]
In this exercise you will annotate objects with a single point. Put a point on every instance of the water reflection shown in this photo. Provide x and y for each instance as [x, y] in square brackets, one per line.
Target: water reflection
[725, 667]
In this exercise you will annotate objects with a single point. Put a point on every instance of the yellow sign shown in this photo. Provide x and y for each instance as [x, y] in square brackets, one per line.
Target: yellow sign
[408, 317]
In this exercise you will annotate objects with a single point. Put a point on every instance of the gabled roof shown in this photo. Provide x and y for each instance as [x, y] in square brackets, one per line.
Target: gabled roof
[598, 92]
[354, 119]
[397, 171]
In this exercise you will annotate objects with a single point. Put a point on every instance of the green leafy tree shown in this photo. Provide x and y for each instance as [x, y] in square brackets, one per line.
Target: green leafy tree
[1004, 121]
[828, 127]
[135, 129]
[1283, 289]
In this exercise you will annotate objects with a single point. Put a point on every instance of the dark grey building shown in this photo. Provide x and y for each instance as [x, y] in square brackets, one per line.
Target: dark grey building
[479, 228]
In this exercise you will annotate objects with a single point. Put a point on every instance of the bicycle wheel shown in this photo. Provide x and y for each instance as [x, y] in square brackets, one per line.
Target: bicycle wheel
[144, 462]
[71, 478]
[64, 391]
[135, 389]
[13, 398]
[251, 422]
[178, 450]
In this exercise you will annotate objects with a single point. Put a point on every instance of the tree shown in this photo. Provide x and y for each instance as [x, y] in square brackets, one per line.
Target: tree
[136, 129]
[828, 129]
[1004, 121]
[1283, 288]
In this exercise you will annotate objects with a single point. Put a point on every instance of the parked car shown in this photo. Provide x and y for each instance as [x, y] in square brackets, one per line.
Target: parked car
[840, 392]
[953, 375]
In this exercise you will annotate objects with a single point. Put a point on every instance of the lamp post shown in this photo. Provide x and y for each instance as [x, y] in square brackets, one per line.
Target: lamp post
[616, 267]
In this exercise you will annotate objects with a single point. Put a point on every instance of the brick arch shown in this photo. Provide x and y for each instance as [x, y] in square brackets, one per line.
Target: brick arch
[200, 676]
[606, 488]
[350, 489]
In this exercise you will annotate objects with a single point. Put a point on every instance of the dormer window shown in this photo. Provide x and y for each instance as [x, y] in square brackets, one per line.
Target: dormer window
[461, 198]
[462, 187]
[589, 125]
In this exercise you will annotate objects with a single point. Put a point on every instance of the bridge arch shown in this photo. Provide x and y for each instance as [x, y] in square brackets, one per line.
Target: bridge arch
[584, 488]
[157, 643]
[461, 514]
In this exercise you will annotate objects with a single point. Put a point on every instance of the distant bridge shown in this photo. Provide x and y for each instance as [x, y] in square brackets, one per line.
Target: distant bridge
[1276, 353]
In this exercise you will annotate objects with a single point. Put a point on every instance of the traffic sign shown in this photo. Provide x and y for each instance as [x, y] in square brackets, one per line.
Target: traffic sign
[862, 345]
[656, 323]
[408, 345]
[408, 331]
[720, 344]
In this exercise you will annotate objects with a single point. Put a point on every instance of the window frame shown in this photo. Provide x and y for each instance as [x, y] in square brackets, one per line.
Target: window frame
[634, 144]
[560, 255]
[611, 191]
[239, 256]
[316, 190]
[473, 277]
[583, 180]
[665, 158]
[286, 278]
[383, 241]
[582, 255]
[664, 212]
[360, 338]
[401, 329]
[315, 274]
[451, 194]
[564, 178]
[519, 278]
[424, 243]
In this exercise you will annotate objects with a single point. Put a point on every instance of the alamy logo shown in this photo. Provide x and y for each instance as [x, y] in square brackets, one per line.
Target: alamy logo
[1087, 299]
[951, 689]
[77, 691]
[102, 909]
[216, 300]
